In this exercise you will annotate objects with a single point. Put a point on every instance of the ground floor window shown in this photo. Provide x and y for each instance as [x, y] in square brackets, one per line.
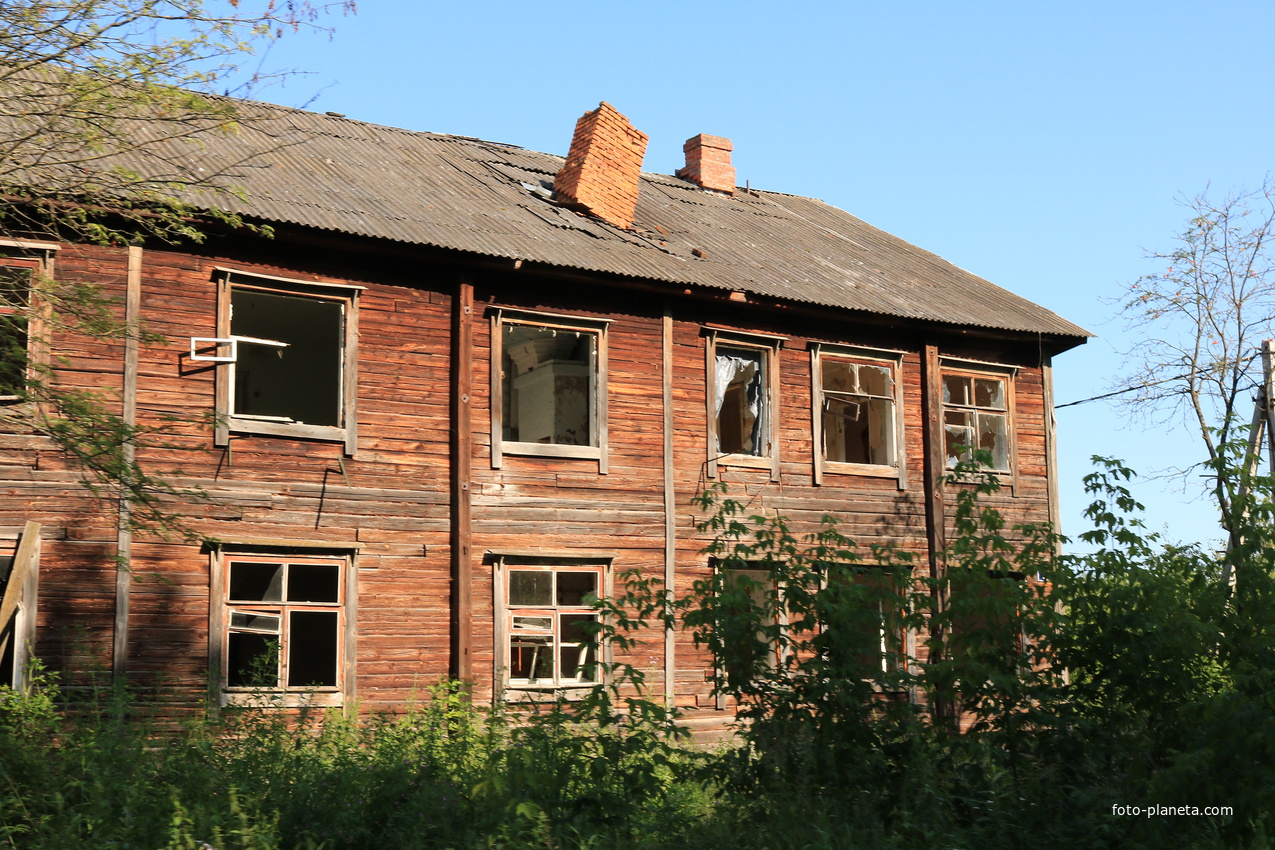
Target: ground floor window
[547, 625]
[284, 625]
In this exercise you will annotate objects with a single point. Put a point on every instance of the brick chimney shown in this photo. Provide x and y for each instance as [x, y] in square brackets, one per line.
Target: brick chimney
[708, 163]
[602, 168]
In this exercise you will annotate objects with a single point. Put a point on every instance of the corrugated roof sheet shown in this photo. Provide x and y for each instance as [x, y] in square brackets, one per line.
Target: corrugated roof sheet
[333, 173]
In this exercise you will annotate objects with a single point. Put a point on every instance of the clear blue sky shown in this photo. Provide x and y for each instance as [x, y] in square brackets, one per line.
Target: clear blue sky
[1041, 146]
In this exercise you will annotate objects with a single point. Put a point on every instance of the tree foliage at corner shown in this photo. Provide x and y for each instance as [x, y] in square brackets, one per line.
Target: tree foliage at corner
[103, 108]
[105, 100]
[1201, 320]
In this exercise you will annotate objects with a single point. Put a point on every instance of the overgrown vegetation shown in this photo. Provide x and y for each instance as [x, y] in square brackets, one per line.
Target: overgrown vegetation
[1049, 692]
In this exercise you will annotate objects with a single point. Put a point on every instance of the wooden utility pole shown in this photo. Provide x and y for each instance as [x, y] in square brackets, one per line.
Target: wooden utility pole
[1263, 423]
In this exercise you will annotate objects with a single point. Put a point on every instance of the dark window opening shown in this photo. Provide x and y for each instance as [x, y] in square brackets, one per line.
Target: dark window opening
[15, 341]
[291, 354]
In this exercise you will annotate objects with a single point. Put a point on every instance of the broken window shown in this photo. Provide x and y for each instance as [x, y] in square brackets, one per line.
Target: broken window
[857, 411]
[15, 329]
[551, 625]
[740, 396]
[283, 624]
[291, 369]
[976, 416]
[548, 386]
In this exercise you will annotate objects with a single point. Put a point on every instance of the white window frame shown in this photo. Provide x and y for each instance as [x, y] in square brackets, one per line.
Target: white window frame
[821, 353]
[980, 371]
[768, 347]
[513, 689]
[228, 421]
[223, 608]
[500, 447]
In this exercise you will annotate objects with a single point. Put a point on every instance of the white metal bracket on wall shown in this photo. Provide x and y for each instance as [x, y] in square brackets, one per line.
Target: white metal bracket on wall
[232, 341]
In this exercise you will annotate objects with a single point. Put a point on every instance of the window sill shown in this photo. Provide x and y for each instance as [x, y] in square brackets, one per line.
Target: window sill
[749, 461]
[871, 470]
[551, 450]
[532, 693]
[264, 427]
[282, 699]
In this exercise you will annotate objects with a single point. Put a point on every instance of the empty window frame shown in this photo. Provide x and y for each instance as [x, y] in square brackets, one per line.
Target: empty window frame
[546, 624]
[548, 391]
[284, 629]
[977, 414]
[857, 420]
[742, 394]
[294, 372]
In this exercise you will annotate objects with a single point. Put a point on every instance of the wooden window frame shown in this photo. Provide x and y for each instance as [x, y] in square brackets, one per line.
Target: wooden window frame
[504, 565]
[897, 647]
[38, 258]
[500, 447]
[983, 371]
[769, 347]
[222, 607]
[228, 422]
[819, 353]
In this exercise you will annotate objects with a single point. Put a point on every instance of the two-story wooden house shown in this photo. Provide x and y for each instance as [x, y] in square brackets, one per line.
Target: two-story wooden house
[464, 385]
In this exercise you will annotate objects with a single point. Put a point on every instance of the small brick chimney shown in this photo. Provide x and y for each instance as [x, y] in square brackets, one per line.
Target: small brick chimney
[603, 166]
[708, 163]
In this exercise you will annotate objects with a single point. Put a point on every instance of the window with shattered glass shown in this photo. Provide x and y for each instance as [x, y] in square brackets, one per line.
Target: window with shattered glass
[976, 416]
[552, 626]
[858, 411]
[740, 398]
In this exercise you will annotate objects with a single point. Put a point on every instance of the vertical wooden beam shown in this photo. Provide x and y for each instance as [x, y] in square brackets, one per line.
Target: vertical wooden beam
[816, 415]
[935, 516]
[124, 527]
[1051, 443]
[670, 503]
[710, 401]
[462, 438]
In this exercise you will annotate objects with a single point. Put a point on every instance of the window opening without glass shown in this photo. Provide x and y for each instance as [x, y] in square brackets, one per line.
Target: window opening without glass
[740, 396]
[287, 360]
[549, 385]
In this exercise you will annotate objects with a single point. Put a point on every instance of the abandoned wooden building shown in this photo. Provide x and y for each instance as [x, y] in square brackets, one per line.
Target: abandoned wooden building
[464, 385]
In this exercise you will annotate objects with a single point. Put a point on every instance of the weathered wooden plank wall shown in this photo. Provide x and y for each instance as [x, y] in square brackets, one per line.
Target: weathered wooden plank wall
[394, 500]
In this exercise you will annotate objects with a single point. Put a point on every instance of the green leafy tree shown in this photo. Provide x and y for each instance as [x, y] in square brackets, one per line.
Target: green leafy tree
[102, 104]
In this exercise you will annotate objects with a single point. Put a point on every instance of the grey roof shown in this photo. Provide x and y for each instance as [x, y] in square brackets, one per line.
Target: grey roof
[333, 173]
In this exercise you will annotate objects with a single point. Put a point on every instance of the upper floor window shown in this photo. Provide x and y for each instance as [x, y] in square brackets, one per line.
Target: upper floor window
[548, 386]
[976, 415]
[857, 401]
[289, 360]
[742, 382]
